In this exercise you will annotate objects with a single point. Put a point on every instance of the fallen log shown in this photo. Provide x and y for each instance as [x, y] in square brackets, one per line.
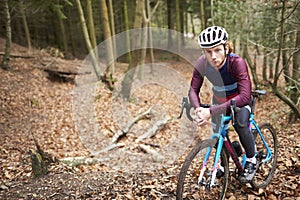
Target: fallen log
[82, 160]
[13, 55]
[153, 130]
[110, 147]
[154, 154]
[120, 133]
[61, 70]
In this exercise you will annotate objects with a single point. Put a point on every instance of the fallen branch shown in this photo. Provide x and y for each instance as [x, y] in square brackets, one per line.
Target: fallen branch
[153, 130]
[155, 155]
[81, 160]
[16, 55]
[121, 133]
[110, 147]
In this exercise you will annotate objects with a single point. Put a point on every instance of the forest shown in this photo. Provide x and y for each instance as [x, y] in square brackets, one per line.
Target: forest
[65, 133]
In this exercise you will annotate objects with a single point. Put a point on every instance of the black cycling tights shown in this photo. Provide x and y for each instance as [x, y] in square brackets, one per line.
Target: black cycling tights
[245, 135]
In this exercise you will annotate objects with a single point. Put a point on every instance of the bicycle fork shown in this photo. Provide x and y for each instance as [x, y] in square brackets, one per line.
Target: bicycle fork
[215, 167]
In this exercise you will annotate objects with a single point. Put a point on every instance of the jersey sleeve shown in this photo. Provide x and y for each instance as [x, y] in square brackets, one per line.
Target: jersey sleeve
[196, 82]
[240, 72]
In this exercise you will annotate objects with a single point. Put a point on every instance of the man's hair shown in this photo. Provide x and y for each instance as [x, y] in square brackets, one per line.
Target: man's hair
[230, 46]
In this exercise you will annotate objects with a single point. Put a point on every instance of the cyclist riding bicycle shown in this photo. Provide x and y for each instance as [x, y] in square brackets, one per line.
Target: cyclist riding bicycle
[229, 76]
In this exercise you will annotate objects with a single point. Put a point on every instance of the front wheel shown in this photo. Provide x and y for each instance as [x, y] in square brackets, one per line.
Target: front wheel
[188, 186]
[265, 169]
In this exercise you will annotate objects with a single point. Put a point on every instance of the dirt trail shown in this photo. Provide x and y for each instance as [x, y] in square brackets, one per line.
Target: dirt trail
[31, 103]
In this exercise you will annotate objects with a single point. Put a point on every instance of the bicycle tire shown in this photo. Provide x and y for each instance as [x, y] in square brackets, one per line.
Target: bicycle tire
[265, 171]
[188, 187]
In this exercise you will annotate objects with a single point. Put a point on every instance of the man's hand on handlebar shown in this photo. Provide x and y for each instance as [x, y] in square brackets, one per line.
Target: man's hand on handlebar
[202, 116]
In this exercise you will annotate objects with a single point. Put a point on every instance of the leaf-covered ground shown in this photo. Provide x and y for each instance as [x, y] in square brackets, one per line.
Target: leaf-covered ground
[31, 104]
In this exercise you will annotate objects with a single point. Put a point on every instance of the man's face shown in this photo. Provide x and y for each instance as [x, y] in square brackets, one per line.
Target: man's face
[216, 55]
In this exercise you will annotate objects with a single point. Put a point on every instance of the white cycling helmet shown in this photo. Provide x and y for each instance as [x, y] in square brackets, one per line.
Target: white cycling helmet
[212, 36]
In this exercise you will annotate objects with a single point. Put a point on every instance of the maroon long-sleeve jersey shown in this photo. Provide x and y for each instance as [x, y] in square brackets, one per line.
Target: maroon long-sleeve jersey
[232, 80]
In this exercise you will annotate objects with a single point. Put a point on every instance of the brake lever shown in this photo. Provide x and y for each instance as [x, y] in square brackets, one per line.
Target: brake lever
[185, 105]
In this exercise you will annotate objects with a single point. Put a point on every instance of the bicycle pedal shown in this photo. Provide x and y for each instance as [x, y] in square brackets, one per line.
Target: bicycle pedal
[243, 180]
[201, 183]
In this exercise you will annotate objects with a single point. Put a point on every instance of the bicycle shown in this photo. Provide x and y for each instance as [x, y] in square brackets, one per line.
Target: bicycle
[198, 176]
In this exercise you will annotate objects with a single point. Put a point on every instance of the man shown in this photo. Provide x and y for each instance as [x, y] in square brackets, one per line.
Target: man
[229, 76]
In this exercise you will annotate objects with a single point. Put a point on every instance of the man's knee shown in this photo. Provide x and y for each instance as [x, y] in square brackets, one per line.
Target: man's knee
[243, 116]
[242, 119]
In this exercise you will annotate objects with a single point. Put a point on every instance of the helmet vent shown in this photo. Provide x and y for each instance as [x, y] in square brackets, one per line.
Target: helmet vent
[214, 35]
[220, 34]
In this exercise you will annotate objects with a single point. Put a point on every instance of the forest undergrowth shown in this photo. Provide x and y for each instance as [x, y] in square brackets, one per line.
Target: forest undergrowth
[34, 105]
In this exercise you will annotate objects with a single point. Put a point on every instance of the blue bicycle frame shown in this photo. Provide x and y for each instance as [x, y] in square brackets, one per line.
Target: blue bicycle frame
[220, 136]
[254, 126]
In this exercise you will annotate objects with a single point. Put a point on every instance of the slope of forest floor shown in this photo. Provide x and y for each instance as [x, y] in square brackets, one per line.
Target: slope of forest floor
[33, 105]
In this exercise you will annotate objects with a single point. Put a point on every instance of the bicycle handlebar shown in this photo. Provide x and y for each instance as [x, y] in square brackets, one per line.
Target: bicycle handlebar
[186, 105]
[234, 109]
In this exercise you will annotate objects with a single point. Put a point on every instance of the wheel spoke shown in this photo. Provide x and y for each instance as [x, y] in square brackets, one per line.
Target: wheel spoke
[188, 187]
[265, 170]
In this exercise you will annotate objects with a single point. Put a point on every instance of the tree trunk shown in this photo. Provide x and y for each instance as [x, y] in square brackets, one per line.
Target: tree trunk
[136, 43]
[279, 52]
[144, 34]
[91, 27]
[181, 21]
[186, 22]
[56, 30]
[282, 96]
[265, 63]
[178, 35]
[40, 159]
[63, 32]
[151, 44]
[25, 25]
[112, 22]
[287, 100]
[87, 40]
[192, 24]
[271, 66]
[251, 65]
[295, 91]
[71, 34]
[285, 62]
[127, 42]
[212, 11]
[144, 43]
[110, 61]
[147, 32]
[202, 15]
[170, 22]
[6, 57]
